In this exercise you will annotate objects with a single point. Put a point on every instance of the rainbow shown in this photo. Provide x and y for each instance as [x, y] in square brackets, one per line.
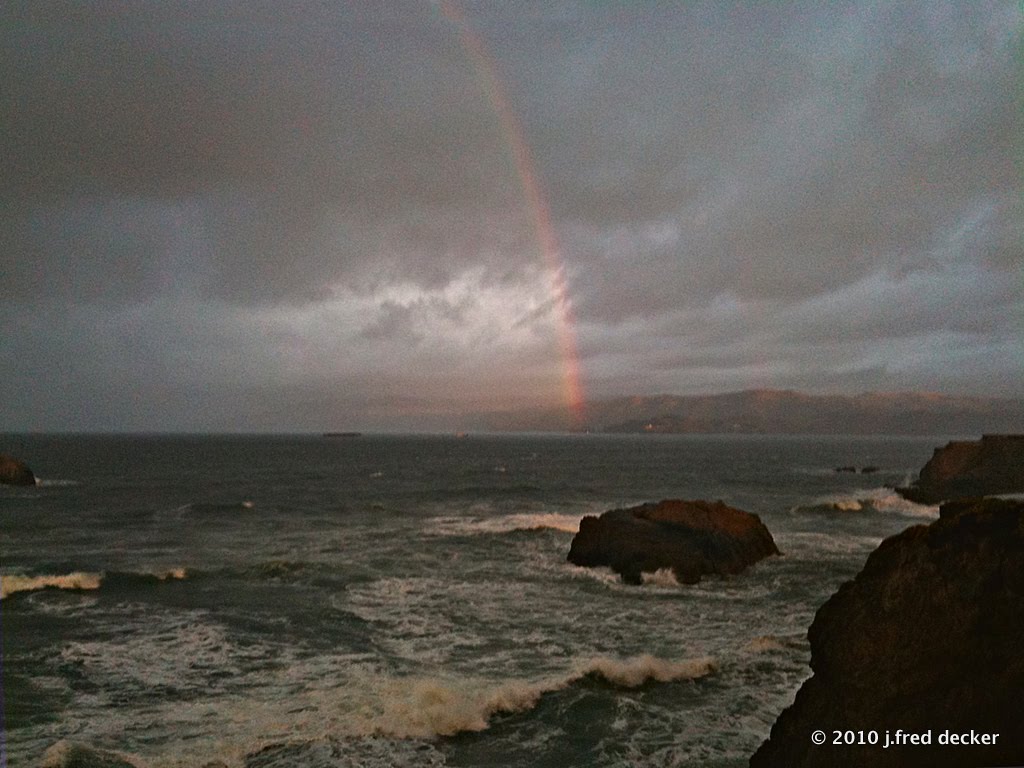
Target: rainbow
[536, 202]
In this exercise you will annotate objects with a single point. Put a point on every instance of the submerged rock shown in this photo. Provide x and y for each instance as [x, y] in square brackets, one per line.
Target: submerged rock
[693, 538]
[925, 640]
[14, 472]
[968, 468]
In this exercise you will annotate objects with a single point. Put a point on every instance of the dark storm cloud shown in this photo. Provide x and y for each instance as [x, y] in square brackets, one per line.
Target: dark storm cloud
[173, 98]
[295, 143]
[263, 198]
[792, 162]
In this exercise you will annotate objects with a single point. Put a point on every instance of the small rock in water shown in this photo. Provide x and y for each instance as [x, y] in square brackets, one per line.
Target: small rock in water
[15, 472]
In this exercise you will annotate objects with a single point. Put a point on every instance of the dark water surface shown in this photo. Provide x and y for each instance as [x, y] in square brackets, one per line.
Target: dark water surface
[405, 600]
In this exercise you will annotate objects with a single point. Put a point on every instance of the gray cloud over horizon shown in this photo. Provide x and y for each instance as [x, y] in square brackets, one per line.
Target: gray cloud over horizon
[256, 216]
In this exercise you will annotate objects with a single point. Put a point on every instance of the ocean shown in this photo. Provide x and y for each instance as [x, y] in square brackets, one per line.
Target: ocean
[388, 600]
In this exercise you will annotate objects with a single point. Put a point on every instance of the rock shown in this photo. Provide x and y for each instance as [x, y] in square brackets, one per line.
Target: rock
[869, 470]
[14, 472]
[969, 468]
[846, 469]
[693, 538]
[926, 639]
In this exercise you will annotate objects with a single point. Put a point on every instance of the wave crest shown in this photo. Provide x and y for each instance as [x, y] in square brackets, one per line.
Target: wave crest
[81, 580]
[663, 577]
[429, 707]
[635, 671]
[530, 521]
[883, 500]
[77, 580]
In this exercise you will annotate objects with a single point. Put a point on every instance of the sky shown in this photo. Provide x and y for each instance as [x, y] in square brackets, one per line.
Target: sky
[265, 216]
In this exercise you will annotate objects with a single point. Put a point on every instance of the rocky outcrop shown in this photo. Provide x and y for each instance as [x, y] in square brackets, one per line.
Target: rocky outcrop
[926, 641]
[964, 469]
[14, 472]
[693, 538]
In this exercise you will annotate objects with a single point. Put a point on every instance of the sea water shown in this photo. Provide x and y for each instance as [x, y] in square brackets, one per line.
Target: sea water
[406, 600]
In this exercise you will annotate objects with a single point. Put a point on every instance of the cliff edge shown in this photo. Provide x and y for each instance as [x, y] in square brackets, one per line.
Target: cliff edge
[924, 641]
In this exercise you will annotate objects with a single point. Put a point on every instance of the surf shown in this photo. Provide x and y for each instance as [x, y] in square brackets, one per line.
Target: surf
[431, 707]
[500, 524]
[80, 581]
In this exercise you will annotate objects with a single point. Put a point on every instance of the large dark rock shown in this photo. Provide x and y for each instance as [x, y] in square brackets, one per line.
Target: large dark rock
[693, 538]
[969, 468]
[14, 472]
[925, 639]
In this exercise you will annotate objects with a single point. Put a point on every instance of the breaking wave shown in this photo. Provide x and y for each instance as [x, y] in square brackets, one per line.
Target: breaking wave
[883, 500]
[77, 580]
[213, 508]
[44, 482]
[601, 575]
[663, 577]
[536, 521]
[82, 580]
[429, 707]
[411, 710]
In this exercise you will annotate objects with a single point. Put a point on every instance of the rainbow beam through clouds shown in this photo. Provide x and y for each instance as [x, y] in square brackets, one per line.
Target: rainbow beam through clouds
[536, 202]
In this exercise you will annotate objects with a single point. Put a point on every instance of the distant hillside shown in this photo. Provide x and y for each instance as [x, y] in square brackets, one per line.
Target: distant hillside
[770, 411]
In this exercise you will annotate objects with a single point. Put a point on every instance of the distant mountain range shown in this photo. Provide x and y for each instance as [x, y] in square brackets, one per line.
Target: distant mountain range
[773, 411]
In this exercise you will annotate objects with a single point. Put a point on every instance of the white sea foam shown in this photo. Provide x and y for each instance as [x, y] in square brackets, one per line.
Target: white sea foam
[659, 580]
[531, 521]
[332, 697]
[811, 544]
[884, 500]
[764, 644]
[637, 670]
[887, 500]
[175, 653]
[602, 575]
[663, 577]
[78, 580]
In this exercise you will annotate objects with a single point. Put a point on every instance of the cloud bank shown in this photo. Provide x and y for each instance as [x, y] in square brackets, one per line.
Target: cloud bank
[244, 216]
